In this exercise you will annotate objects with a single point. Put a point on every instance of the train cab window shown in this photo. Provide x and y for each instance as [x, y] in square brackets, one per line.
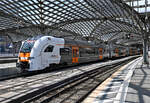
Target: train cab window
[49, 48]
[27, 46]
[64, 51]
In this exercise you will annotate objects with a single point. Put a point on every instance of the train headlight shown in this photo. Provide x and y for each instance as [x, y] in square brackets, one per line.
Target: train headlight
[23, 58]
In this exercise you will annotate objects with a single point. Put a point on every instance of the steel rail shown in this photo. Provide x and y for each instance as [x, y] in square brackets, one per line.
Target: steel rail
[59, 88]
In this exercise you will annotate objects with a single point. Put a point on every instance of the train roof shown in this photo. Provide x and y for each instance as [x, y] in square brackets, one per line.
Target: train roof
[71, 41]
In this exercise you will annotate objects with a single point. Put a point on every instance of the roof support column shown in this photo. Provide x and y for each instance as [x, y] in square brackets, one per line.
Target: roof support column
[145, 51]
[145, 40]
[110, 49]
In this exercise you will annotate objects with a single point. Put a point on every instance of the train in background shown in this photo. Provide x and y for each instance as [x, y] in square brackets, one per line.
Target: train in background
[40, 52]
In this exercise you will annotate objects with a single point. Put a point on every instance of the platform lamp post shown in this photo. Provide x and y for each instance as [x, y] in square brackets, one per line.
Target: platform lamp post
[145, 39]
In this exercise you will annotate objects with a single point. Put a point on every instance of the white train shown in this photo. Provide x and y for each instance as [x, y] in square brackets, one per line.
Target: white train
[38, 53]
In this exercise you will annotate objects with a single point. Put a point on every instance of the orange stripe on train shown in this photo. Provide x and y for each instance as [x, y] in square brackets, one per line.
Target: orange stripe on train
[24, 57]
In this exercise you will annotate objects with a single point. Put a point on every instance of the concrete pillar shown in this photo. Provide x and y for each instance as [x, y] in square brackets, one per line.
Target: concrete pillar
[145, 51]
[145, 42]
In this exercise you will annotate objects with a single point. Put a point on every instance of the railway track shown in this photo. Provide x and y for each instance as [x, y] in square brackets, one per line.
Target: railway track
[73, 89]
[18, 74]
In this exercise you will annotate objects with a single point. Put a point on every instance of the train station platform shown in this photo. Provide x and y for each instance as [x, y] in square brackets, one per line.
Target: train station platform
[7, 60]
[7, 69]
[130, 84]
[8, 55]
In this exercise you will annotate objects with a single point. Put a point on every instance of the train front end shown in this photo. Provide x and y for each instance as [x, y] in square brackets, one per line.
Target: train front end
[24, 57]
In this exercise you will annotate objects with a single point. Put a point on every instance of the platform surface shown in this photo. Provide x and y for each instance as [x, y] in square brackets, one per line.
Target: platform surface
[130, 84]
[139, 87]
[4, 59]
[3, 55]
[7, 60]
[7, 65]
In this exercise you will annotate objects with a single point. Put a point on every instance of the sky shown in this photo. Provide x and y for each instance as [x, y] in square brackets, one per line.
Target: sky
[141, 2]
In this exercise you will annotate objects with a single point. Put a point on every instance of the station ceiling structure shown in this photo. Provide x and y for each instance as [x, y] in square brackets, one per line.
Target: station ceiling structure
[96, 20]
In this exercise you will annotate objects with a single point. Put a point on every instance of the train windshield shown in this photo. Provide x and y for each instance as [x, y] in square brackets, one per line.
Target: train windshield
[27, 46]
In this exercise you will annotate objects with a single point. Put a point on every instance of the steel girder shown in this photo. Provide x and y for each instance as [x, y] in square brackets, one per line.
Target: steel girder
[76, 19]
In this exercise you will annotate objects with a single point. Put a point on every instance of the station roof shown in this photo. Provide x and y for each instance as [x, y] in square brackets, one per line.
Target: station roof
[96, 20]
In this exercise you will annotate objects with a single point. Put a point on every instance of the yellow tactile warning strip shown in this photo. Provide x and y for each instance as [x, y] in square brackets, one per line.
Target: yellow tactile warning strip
[97, 91]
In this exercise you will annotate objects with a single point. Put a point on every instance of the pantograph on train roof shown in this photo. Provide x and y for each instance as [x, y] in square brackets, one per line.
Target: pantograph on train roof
[100, 20]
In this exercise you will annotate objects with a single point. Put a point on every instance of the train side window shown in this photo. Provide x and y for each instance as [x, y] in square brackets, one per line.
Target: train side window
[49, 48]
[64, 51]
[82, 52]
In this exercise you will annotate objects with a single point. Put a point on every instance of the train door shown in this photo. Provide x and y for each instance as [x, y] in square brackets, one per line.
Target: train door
[75, 54]
[101, 53]
[130, 51]
[124, 52]
[117, 52]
